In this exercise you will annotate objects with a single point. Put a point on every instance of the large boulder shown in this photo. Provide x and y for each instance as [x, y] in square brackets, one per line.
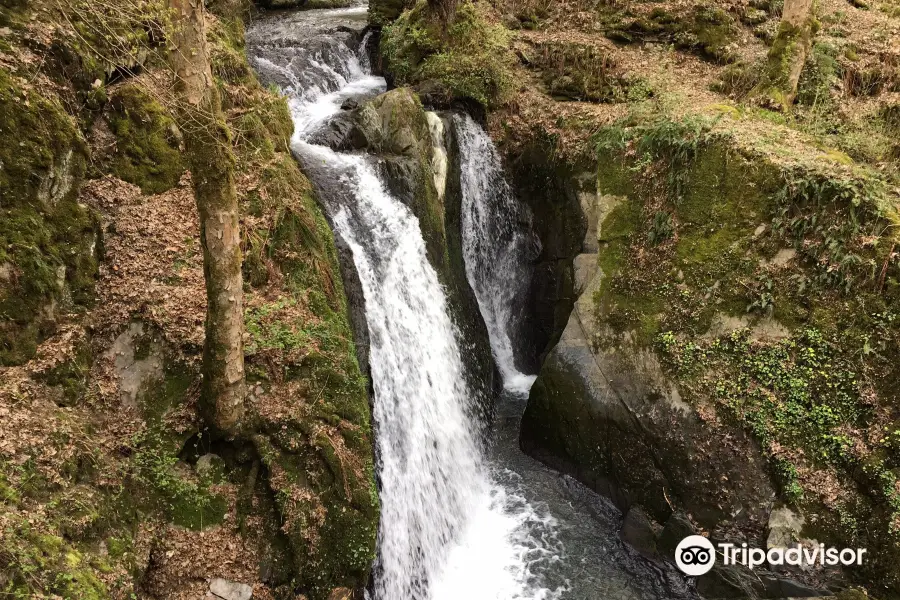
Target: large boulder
[711, 361]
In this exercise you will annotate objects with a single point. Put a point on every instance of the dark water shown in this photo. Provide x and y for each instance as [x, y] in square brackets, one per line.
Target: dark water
[593, 563]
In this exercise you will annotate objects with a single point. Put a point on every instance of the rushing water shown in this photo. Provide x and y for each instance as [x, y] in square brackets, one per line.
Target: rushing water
[494, 245]
[458, 522]
[448, 530]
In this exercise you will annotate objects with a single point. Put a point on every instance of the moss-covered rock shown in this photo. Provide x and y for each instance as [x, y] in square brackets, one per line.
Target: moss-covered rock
[312, 430]
[468, 59]
[580, 71]
[383, 12]
[93, 508]
[147, 142]
[703, 28]
[723, 338]
[47, 240]
[556, 194]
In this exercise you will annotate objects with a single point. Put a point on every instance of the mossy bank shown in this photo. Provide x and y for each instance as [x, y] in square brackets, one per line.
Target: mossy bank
[111, 484]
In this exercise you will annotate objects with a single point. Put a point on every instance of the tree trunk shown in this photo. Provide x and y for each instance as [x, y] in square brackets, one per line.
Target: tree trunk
[208, 149]
[444, 9]
[789, 51]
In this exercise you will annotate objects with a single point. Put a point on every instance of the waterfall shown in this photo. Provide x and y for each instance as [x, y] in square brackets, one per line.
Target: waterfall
[494, 245]
[448, 530]
[363, 52]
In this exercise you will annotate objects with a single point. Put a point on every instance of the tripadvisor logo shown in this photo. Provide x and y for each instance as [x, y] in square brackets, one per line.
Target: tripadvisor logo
[696, 555]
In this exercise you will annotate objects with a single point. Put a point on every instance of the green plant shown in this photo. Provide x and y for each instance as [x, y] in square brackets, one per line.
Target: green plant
[188, 502]
[763, 298]
[662, 228]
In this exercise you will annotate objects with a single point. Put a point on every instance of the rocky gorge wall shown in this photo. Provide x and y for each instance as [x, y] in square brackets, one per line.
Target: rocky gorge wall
[691, 376]
[417, 155]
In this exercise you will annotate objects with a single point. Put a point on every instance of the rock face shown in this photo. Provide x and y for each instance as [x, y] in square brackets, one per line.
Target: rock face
[289, 508]
[668, 385]
[554, 192]
[47, 240]
[614, 419]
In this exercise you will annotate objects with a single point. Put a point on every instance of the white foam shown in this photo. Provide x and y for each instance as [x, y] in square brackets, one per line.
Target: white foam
[448, 530]
[494, 246]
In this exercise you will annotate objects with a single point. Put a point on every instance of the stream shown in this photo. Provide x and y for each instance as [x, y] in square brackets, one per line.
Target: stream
[461, 519]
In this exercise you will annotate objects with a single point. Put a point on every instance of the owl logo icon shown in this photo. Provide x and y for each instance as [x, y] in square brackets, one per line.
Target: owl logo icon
[695, 555]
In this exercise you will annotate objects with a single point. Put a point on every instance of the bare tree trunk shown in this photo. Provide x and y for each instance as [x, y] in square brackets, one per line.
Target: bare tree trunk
[789, 51]
[208, 148]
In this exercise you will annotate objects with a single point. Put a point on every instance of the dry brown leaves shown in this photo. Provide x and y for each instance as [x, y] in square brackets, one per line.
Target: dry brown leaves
[183, 561]
[153, 268]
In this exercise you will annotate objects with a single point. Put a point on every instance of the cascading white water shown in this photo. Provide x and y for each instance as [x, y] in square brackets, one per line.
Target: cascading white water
[494, 245]
[362, 52]
[448, 530]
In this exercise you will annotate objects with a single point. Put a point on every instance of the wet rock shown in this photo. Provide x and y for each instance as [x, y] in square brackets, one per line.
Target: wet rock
[677, 527]
[401, 177]
[230, 590]
[637, 531]
[342, 133]
[557, 198]
[780, 587]
[349, 104]
[729, 582]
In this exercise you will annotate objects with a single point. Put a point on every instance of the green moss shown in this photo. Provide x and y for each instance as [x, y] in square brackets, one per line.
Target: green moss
[712, 32]
[46, 238]
[147, 141]
[48, 155]
[265, 128]
[804, 397]
[469, 59]
[299, 333]
[584, 72]
[790, 47]
[37, 563]
[328, 505]
[705, 29]
[738, 79]
[156, 470]
[615, 234]
[383, 12]
[821, 71]
[227, 51]
[72, 375]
